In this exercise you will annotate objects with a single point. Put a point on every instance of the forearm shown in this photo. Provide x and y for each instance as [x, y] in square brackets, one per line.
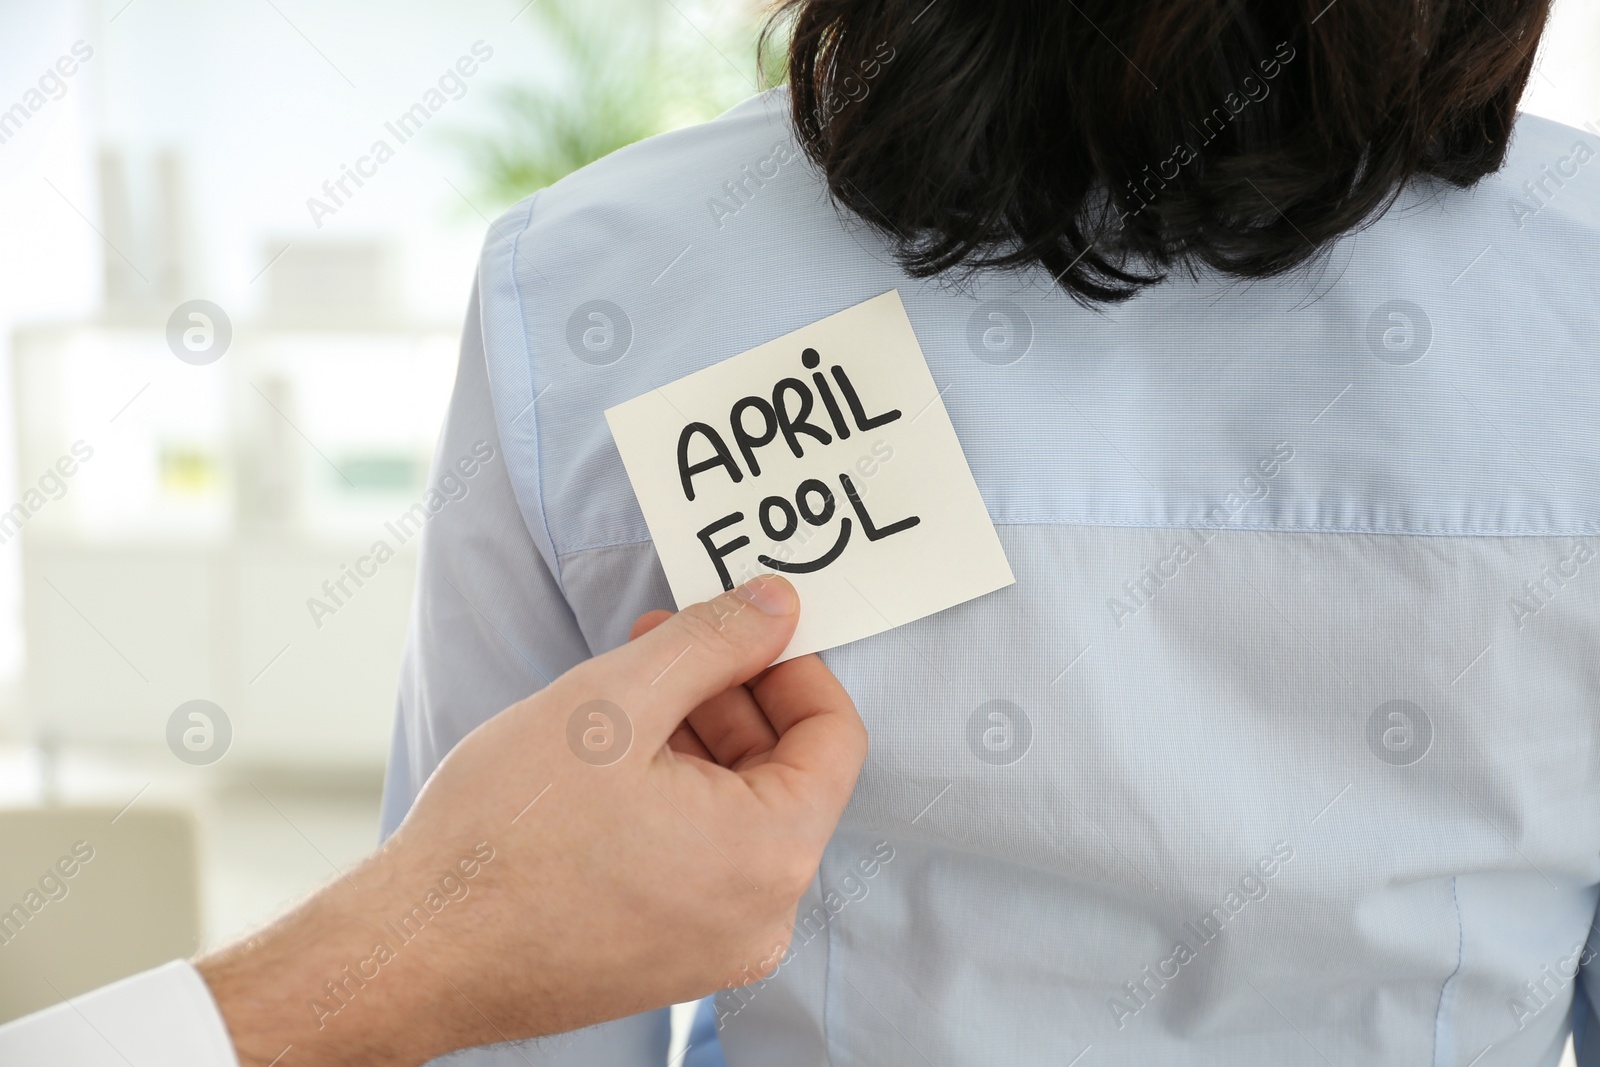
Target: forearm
[332, 981]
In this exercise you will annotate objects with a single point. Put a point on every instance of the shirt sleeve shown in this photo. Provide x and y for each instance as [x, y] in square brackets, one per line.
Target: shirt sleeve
[489, 625]
[164, 1017]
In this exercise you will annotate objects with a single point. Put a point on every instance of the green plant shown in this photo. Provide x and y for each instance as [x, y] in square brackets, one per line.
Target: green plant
[624, 70]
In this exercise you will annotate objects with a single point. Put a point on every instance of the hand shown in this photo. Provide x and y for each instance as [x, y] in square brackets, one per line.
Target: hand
[538, 886]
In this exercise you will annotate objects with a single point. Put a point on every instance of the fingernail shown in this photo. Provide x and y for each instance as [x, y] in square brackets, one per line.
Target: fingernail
[771, 594]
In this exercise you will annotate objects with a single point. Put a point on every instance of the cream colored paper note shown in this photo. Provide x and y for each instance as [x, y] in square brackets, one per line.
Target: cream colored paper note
[826, 455]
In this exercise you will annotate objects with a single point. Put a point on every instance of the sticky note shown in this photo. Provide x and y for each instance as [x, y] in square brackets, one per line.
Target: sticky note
[825, 455]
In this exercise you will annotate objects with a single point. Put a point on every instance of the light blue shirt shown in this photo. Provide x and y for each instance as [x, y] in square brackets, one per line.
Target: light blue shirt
[1283, 747]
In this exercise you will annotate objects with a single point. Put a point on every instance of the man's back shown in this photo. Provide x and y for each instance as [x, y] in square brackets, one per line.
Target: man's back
[1283, 745]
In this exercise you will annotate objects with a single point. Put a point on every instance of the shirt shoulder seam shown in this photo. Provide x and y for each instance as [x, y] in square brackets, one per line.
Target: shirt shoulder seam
[533, 382]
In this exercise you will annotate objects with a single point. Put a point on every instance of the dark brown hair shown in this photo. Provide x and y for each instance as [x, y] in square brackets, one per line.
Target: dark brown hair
[1112, 141]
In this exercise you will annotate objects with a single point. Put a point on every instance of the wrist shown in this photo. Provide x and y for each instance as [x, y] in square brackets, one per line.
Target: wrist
[318, 983]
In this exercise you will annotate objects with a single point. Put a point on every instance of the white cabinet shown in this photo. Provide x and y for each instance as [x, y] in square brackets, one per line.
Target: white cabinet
[119, 637]
[176, 562]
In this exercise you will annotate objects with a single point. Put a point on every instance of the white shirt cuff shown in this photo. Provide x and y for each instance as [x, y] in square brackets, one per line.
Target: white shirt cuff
[164, 1017]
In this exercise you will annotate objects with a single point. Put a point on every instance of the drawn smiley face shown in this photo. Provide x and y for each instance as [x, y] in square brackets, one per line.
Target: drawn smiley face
[814, 502]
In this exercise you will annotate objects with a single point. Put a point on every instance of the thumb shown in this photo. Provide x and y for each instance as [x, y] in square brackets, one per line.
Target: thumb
[702, 651]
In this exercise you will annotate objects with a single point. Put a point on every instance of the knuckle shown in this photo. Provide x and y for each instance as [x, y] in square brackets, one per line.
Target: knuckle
[708, 623]
[857, 730]
[774, 947]
[794, 870]
[802, 877]
[759, 955]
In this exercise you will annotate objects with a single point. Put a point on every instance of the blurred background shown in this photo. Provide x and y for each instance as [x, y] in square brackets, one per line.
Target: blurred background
[239, 237]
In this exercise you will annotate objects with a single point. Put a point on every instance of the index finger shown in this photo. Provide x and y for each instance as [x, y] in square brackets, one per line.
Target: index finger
[697, 653]
[822, 741]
